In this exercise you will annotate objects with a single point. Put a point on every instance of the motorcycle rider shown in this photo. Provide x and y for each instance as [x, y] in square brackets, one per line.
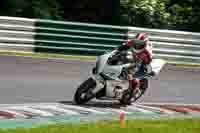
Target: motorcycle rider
[141, 49]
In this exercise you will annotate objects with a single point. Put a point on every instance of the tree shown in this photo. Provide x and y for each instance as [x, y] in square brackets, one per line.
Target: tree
[144, 13]
[185, 15]
[12, 7]
[95, 11]
[45, 9]
[171, 14]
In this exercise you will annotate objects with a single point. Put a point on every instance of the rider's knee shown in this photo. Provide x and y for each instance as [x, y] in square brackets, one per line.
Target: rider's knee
[135, 83]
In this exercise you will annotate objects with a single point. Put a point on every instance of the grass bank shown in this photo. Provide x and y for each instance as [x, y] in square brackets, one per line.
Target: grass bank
[69, 57]
[138, 126]
[50, 56]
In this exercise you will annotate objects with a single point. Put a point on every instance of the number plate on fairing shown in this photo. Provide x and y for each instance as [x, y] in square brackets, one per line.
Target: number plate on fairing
[114, 88]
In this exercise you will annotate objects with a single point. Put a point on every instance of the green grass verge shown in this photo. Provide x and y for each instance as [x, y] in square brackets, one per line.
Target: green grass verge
[187, 65]
[69, 57]
[44, 55]
[138, 126]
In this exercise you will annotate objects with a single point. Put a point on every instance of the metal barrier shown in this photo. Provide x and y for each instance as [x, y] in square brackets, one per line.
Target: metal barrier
[17, 34]
[34, 35]
[77, 38]
[174, 46]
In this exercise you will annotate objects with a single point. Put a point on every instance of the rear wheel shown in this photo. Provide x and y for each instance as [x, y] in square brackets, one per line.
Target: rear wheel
[128, 96]
[83, 93]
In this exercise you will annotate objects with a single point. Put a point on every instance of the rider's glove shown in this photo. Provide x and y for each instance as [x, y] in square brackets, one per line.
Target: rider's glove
[152, 74]
[114, 52]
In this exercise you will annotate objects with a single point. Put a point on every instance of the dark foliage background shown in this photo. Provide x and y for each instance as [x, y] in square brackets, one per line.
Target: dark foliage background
[167, 14]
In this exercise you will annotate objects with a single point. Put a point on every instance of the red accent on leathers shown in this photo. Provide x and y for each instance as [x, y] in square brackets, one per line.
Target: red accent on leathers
[135, 83]
[141, 36]
[130, 43]
[145, 56]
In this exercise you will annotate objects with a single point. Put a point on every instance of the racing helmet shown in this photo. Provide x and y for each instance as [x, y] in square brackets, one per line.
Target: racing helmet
[140, 42]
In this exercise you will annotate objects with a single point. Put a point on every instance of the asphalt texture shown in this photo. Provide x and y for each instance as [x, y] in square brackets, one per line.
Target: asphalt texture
[28, 80]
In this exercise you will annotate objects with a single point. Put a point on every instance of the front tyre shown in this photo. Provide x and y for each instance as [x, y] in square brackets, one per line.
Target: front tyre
[83, 93]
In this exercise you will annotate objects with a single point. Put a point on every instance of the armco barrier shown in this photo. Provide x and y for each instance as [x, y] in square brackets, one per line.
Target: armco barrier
[17, 34]
[77, 38]
[174, 46]
[92, 39]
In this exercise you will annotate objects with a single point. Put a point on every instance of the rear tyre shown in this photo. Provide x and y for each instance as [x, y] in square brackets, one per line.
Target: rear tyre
[84, 89]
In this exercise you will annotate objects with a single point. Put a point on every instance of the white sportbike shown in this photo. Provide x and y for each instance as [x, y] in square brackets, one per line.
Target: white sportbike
[109, 79]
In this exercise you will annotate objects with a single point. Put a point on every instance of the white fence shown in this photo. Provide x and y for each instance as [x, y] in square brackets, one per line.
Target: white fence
[16, 34]
[20, 34]
[175, 46]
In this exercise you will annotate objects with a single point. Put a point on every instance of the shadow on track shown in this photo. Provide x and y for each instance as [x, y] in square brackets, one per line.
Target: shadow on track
[98, 104]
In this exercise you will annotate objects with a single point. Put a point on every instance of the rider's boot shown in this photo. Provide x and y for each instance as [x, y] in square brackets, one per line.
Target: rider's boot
[135, 85]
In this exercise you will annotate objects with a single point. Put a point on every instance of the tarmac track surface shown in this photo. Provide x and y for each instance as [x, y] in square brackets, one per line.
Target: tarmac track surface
[28, 80]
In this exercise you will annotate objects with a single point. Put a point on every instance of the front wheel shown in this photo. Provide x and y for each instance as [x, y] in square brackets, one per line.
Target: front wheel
[83, 93]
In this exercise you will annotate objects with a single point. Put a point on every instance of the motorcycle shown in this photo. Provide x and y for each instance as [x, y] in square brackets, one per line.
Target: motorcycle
[109, 78]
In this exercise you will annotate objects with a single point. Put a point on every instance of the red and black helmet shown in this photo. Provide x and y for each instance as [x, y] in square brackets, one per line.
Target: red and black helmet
[141, 39]
[142, 36]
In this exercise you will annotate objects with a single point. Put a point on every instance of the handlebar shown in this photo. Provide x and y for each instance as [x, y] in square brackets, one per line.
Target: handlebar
[119, 56]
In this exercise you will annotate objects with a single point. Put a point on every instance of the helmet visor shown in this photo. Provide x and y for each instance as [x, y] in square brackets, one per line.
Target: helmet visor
[139, 44]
